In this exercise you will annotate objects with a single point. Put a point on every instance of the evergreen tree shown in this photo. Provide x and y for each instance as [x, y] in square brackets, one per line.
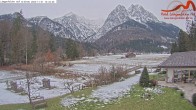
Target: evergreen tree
[17, 25]
[194, 99]
[183, 41]
[17, 41]
[71, 50]
[4, 42]
[193, 37]
[144, 78]
[1, 53]
[52, 44]
[33, 50]
[174, 48]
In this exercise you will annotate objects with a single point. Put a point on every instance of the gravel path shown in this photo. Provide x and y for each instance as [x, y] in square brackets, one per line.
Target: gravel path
[115, 90]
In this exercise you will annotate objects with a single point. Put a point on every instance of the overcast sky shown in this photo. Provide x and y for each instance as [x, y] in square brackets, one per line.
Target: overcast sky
[92, 9]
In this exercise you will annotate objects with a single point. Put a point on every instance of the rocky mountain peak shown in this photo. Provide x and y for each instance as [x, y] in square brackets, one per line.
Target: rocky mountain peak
[79, 26]
[36, 20]
[120, 12]
[120, 8]
[118, 16]
[138, 13]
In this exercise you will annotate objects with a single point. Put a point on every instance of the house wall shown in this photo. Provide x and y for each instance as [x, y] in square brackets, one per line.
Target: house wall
[170, 75]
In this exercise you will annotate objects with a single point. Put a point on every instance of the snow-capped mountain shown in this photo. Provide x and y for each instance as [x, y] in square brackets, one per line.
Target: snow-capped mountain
[135, 12]
[80, 27]
[84, 30]
[134, 29]
[53, 27]
[141, 15]
[91, 24]
[118, 16]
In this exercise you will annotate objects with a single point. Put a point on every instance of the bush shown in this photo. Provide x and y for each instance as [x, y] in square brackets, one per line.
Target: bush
[194, 99]
[105, 76]
[182, 94]
[163, 72]
[152, 83]
[144, 78]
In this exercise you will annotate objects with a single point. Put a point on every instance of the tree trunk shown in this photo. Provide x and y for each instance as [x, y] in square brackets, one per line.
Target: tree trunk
[28, 86]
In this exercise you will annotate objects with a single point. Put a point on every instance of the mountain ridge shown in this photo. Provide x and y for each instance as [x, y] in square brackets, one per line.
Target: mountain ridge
[121, 19]
[53, 27]
[120, 15]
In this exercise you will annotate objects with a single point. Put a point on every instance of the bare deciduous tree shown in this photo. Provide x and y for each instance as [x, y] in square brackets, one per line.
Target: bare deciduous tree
[69, 85]
[28, 87]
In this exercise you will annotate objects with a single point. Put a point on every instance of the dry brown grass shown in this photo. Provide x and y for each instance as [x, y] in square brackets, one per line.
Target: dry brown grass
[8, 68]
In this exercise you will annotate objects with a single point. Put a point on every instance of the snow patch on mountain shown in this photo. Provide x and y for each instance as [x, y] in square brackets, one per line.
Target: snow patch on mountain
[118, 16]
[53, 27]
[81, 27]
[141, 15]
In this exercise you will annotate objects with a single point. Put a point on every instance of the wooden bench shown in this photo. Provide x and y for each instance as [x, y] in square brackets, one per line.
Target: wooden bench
[38, 101]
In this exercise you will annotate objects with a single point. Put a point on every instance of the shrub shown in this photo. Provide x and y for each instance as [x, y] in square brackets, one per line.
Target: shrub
[113, 73]
[70, 64]
[194, 99]
[158, 70]
[162, 72]
[182, 94]
[144, 78]
[152, 83]
[137, 72]
[105, 76]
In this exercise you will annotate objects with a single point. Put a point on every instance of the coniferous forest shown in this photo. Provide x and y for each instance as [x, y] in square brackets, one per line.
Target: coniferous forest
[186, 41]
